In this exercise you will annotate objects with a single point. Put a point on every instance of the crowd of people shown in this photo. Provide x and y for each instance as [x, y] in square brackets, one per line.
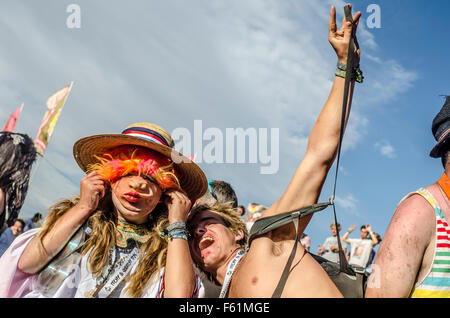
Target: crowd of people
[361, 252]
[147, 225]
[7, 235]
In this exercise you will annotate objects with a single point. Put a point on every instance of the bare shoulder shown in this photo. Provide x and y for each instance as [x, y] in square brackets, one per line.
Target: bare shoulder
[412, 224]
[413, 211]
[412, 220]
[400, 256]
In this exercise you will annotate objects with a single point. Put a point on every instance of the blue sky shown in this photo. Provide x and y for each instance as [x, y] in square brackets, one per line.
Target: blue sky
[261, 64]
[412, 35]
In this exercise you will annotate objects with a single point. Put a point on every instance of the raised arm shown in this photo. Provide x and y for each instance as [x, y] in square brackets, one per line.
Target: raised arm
[372, 236]
[37, 254]
[346, 234]
[306, 184]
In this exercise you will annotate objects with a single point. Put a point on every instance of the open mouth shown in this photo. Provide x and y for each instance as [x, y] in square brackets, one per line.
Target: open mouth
[205, 242]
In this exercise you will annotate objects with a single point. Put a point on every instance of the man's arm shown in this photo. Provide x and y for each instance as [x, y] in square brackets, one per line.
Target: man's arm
[306, 184]
[400, 254]
[372, 236]
[346, 234]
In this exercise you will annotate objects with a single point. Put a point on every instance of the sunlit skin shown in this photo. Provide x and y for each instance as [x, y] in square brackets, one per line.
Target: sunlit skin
[259, 271]
[135, 197]
[211, 242]
[407, 252]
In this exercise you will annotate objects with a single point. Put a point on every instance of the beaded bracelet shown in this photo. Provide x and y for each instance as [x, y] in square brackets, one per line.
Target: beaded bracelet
[175, 230]
[176, 225]
[178, 235]
[341, 66]
[356, 74]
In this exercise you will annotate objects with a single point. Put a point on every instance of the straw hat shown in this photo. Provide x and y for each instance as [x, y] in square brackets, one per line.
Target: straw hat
[147, 135]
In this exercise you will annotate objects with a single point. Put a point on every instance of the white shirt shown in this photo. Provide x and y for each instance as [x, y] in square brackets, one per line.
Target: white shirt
[360, 252]
[14, 283]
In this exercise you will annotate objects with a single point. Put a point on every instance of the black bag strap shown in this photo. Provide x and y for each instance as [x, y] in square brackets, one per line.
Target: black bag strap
[287, 268]
[350, 64]
[268, 224]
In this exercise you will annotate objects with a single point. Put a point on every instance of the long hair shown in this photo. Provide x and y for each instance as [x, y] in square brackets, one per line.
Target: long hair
[17, 155]
[102, 221]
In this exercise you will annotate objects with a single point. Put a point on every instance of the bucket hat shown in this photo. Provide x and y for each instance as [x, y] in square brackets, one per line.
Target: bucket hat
[441, 129]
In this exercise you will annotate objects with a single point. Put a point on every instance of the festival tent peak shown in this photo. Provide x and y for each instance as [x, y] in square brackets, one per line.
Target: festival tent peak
[12, 120]
[55, 104]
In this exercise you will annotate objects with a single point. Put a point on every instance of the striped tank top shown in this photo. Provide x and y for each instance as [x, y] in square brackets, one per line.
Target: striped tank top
[436, 283]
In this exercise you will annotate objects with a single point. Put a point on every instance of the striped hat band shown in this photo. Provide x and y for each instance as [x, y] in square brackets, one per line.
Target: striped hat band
[147, 134]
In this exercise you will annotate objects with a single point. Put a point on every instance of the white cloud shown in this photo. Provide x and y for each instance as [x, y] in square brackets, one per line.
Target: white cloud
[386, 149]
[349, 203]
[394, 79]
[255, 63]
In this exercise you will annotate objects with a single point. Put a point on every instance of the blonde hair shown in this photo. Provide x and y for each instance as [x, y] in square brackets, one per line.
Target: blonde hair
[152, 256]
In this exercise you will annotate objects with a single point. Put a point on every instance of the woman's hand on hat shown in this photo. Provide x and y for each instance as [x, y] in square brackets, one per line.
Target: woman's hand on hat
[178, 205]
[92, 189]
[340, 39]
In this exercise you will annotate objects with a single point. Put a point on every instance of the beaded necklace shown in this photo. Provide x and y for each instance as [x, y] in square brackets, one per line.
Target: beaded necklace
[128, 231]
[128, 239]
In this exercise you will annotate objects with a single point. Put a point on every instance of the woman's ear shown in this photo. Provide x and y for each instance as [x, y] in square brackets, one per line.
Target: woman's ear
[239, 236]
